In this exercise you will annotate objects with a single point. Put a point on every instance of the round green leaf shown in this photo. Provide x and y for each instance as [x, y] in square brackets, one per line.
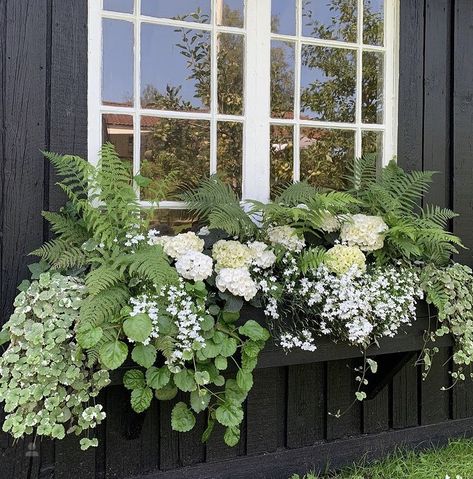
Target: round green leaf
[134, 379]
[232, 436]
[166, 393]
[144, 355]
[233, 392]
[228, 347]
[88, 336]
[141, 399]
[200, 402]
[244, 380]
[138, 328]
[229, 414]
[254, 331]
[202, 378]
[157, 378]
[113, 354]
[221, 363]
[207, 323]
[184, 380]
[251, 348]
[182, 419]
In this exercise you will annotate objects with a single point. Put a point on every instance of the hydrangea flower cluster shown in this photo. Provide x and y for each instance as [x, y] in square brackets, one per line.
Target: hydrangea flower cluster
[194, 266]
[366, 232]
[179, 245]
[287, 237]
[237, 281]
[341, 258]
[231, 254]
[45, 381]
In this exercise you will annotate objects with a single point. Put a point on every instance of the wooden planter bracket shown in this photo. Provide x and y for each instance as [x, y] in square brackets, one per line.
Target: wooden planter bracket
[388, 366]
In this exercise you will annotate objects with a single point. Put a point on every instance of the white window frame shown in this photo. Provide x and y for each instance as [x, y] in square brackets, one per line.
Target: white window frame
[257, 115]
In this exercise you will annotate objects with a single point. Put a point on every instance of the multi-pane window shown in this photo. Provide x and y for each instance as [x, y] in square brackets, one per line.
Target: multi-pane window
[262, 92]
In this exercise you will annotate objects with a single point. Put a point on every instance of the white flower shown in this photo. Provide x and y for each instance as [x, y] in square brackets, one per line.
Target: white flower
[204, 231]
[330, 223]
[261, 255]
[179, 245]
[366, 232]
[340, 259]
[231, 254]
[237, 281]
[195, 266]
[287, 237]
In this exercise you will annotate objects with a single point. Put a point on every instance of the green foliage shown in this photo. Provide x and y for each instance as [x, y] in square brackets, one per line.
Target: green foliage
[216, 204]
[45, 383]
[450, 290]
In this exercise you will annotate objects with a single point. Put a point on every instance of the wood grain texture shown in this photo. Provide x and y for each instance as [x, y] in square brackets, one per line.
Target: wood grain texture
[462, 121]
[306, 414]
[404, 397]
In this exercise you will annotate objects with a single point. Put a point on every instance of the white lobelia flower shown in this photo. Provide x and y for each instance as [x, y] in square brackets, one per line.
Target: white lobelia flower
[237, 281]
[261, 255]
[287, 237]
[366, 232]
[194, 266]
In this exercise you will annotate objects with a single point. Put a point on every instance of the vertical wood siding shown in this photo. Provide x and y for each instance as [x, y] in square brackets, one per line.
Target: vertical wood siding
[43, 105]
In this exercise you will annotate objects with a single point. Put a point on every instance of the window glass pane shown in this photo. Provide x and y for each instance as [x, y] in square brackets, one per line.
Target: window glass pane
[373, 84]
[230, 153]
[282, 79]
[324, 156]
[188, 10]
[372, 143]
[328, 84]
[282, 157]
[118, 130]
[330, 19]
[171, 221]
[124, 6]
[117, 63]
[174, 152]
[230, 13]
[373, 22]
[175, 68]
[230, 61]
[283, 17]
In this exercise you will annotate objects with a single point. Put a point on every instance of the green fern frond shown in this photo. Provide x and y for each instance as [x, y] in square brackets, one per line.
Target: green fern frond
[362, 173]
[61, 255]
[151, 264]
[216, 203]
[311, 259]
[102, 278]
[295, 193]
[104, 306]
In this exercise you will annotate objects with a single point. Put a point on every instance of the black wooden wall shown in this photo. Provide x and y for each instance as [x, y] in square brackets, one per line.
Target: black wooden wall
[43, 105]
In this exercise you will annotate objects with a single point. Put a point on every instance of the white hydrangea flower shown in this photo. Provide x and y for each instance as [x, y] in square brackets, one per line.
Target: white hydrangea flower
[287, 237]
[194, 266]
[261, 255]
[237, 281]
[179, 245]
[366, 232]
[330, 223]
[231, 254]
[204, 231]
[341, 258]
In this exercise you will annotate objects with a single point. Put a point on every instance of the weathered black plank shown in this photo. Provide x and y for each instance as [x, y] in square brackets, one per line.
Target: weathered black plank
[435, 403]
[169, 439]
[462, 121]
[284, 463]
[411, 79]
[404, 397]
[376, 412]
[306, 414]
[437, 96]
[266, 411]
[191, 448]
[68, 86]
[341, 387]
[462, 398]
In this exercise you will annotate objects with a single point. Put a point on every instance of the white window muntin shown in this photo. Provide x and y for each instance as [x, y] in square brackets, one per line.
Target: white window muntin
[257, 115]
